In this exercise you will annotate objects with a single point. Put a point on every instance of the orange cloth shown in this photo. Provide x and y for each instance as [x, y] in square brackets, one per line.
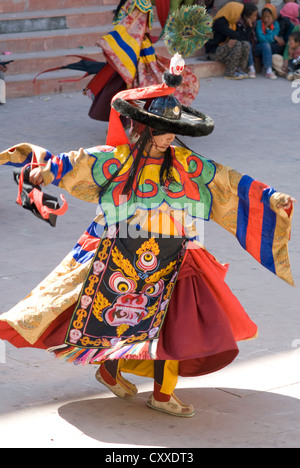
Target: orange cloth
[232, 12]
[273, 10]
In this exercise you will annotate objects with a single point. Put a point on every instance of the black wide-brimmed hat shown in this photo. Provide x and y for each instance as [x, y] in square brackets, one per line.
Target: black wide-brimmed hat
[156, 107]
[166, 114]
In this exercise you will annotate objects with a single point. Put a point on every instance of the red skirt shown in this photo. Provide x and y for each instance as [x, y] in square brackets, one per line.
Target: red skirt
[203, 323]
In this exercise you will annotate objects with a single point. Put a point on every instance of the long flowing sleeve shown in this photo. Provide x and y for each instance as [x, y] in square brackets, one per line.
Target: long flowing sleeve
[250, 211]
[247, 208]
[78, 172]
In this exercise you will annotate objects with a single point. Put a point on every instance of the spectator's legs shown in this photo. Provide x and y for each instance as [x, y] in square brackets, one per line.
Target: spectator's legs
[235, 58]
[244, 54]
[263, 49]
[2, 89]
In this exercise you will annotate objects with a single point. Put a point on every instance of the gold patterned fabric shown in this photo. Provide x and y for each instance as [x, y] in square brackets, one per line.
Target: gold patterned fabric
[244, 207]
[124, 298]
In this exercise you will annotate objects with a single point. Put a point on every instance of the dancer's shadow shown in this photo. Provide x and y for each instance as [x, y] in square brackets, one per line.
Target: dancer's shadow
[223, 419]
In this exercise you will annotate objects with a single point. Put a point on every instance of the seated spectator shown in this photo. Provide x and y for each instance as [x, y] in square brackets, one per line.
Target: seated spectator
[226, 46]
[246, 29]
[3, 69]
[209, 5]
[268, 40]
[284, 2]
[288, 65]
[288, 18]
[291, 11]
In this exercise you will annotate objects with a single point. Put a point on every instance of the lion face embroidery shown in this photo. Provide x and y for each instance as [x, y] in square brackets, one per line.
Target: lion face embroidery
[129, 309]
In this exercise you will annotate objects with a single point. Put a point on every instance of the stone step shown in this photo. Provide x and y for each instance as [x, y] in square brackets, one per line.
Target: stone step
[14, 6]
[23, 86]
[37, 41]
[36, 62]
[54, 82]
[206, 68]
[40, 37]
[51, 40]
[26, 66]
[14, 23]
